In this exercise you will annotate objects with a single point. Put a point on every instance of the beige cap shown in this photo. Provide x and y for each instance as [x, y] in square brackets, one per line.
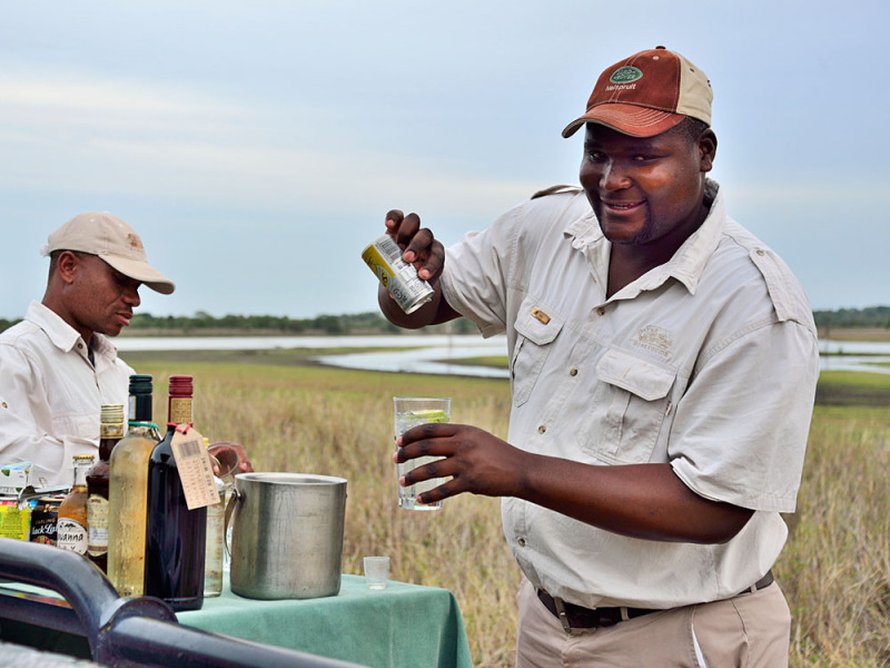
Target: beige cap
[100, 233]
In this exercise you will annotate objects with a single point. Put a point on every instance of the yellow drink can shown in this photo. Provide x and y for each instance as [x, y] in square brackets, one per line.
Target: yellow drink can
[384, 257]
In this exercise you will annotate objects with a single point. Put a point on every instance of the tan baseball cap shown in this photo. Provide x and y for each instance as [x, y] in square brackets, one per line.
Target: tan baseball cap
[647, 94]
[100, 233]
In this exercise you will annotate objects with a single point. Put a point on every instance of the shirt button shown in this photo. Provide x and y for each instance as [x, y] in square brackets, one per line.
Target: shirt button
[573, 372]
[79, 346]
[521, 542]
[542, 429]
[760, 251]
[601, 310]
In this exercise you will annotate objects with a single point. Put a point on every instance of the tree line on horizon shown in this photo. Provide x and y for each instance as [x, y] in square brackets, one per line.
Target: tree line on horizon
[205, 323]
[373, 323]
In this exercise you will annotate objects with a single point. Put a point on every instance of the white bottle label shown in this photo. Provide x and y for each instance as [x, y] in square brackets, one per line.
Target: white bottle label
[71, 536]
[97, 521]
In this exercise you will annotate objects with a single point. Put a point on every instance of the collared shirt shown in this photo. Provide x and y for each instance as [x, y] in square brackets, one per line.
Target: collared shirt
[51, 394]
[707, 362]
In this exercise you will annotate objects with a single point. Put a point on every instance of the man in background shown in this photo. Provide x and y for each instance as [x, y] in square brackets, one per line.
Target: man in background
[663, 369]
[57, 366]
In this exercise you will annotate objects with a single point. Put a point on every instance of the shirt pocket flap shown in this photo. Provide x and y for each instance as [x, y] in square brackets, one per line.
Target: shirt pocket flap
[638, 376]
[536, 325]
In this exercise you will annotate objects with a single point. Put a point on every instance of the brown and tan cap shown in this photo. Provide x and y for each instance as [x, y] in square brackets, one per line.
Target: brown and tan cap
[647, 94]
[100, 233]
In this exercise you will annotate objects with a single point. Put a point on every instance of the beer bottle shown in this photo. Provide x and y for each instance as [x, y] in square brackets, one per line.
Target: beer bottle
[72, 518]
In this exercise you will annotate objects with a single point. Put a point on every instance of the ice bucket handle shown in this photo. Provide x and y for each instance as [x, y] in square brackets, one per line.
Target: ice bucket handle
[230, 508]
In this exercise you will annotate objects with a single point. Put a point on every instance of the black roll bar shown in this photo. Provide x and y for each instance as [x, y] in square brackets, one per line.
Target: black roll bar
[128, 631]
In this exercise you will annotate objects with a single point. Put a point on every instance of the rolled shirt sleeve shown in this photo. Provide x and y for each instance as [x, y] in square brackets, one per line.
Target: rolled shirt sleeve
[749, 408]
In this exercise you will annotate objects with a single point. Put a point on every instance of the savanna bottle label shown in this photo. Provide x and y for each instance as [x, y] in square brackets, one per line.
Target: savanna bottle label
[97, 523]
[71, 535]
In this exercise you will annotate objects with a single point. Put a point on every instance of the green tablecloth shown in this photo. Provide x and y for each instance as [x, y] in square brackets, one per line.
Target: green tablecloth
[402, 625]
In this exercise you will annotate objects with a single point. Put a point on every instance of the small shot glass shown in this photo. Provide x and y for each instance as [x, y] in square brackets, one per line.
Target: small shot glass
[376, 571]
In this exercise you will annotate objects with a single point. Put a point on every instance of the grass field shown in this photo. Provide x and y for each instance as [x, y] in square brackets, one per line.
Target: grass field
[835, 569]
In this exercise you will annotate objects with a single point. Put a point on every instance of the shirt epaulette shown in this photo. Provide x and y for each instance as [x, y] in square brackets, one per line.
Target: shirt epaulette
[556, 190]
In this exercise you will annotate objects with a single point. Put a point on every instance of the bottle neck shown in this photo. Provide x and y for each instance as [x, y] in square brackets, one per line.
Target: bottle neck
[106, 445]
[179, 410]
[140, 408]
[81, 466]
[143, 430]
[110, 433]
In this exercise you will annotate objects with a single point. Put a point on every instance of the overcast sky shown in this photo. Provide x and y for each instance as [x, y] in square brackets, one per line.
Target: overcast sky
[256, 146]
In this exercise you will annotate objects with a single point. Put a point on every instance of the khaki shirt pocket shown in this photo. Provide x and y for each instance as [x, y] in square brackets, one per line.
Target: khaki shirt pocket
[536, 331]
[630, 404]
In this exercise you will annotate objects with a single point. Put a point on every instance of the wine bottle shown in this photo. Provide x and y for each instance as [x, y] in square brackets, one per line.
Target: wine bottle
[71, 525]
[111, 430]
[128, 492]
[175, 535]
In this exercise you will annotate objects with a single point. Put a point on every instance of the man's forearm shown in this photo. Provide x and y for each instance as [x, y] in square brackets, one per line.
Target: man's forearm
[641, 501]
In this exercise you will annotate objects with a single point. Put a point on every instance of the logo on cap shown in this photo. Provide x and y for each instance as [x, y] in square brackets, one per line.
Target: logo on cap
[134, 241]
[626, 74]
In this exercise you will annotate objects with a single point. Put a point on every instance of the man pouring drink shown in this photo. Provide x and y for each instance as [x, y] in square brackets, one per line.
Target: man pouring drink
[663, 367]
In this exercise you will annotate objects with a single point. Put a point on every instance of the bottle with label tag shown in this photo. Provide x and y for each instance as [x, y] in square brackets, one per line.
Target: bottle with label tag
[175, 537]
[111, 430]
[71, 526]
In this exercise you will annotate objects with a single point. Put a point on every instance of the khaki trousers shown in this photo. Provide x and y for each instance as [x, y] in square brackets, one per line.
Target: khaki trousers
[747, 630]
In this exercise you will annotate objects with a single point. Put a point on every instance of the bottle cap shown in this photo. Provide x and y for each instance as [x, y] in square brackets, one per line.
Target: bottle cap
[181, 386]
[111, 414]
[111, 421]
[140, 384]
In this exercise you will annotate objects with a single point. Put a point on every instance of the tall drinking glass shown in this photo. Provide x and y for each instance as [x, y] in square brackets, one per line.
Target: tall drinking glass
[409, 412]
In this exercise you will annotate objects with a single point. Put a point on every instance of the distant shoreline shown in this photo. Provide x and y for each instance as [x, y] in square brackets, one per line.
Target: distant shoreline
[835, 333]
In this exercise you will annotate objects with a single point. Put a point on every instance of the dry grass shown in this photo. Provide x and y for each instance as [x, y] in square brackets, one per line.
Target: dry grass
[835, 569]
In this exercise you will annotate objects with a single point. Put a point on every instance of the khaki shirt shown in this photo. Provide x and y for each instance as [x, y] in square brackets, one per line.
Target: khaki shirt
[51, 395]
[708, 362]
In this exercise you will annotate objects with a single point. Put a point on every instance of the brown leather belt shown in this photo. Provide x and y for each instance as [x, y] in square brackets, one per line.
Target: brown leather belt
[576, 617]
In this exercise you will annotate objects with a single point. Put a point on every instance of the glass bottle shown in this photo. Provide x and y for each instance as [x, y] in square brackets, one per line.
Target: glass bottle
[111, 430]
[175, 536]
[216, 534]
[128, 492]
[72, 518]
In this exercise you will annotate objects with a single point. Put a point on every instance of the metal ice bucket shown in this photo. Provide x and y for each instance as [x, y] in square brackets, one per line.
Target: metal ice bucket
[287, 535]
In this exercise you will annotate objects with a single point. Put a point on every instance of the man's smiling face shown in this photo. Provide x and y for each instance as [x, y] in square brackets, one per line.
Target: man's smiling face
[646, 190]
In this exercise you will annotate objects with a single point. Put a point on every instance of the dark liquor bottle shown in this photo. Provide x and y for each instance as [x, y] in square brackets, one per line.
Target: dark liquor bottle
[175, 536]
[111, 430]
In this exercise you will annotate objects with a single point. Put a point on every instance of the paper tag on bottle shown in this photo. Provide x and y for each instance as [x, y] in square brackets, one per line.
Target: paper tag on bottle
[195, 469]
